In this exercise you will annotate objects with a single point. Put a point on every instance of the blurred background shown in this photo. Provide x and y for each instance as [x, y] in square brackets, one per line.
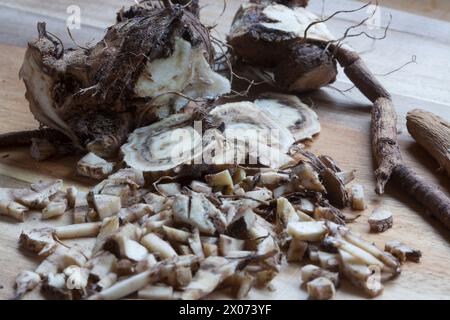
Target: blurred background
[438, 9]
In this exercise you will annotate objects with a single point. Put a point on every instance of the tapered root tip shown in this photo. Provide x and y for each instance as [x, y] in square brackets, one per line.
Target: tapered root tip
[382, 177]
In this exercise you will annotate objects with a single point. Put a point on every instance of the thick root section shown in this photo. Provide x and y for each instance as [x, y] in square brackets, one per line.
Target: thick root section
[427, 194]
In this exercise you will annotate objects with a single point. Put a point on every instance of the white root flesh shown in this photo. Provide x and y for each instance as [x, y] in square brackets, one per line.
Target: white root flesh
[156, 293]
[402, 252]
[308, 177]
[228, 244]
[380, 220]
[25, 282]
[366, 277]
[106, 205]
[297, 250]
[358, 198]
[9, 207]
[169, 189]
[212, 272]
[221, 180]
[102, 265]
[311, 272]
[62, 258]
[74, 231]
[292, 113]
[93, 166]
[77, 278]
[321, 289]
[185, 71]
[156, 245]
[39, 193]
[200, 187]
[109, 226]
[307, 231]
[125, 287]
[54, 209]
[71, 193]
[39, 241]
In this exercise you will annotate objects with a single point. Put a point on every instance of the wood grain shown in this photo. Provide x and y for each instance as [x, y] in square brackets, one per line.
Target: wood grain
[345, 137]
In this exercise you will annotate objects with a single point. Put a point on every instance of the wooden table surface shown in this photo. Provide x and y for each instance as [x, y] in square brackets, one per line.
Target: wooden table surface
[345, 136]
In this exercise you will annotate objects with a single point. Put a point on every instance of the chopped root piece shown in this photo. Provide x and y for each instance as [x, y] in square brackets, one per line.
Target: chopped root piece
[297, 250]
[311, 272]
[135, 212]
[102, 265]
[54, 287]
[169, 189]
[155, 201]
[241, 225]
[321, 289]
[26, 281]
[109, 226]
[77, 278]
[39, 193]
[213, 271]
[402, 252]
[177, 235]
[125, 287]
[14, 210]
[380, 220]
[308, 177]
[71, 193]
[156, 293]
[358, 198]
[228, 244]
[336, 192]
[241, 283]
[221, 180]
[200, 187]
[307, 231]
[346, 176]
[392, 265]
[39, 241]
[62, 258]
[131, 249]
[106, 205]
[360, 275]
[328, 261]
[54, 209]
[74, 231]
[156, 245]
[199, 213]
[93, 166]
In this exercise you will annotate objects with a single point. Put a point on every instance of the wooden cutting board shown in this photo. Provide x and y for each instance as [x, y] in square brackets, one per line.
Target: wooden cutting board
[345, 135]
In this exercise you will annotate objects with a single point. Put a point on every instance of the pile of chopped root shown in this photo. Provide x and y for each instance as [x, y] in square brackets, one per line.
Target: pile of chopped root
[184, 239]
[166, 225]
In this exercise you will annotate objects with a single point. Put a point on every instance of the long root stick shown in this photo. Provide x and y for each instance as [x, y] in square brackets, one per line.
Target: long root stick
[23, 138]
[384, 141]
[427, 194]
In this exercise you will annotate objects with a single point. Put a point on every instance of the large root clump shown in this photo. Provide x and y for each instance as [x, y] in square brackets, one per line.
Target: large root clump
[270, 36]
[146, 67]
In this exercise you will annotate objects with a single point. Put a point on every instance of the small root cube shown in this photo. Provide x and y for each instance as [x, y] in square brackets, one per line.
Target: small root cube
[321, 289]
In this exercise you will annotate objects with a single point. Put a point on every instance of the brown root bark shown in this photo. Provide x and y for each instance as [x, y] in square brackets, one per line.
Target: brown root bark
[427, 194]
[384, 141]
[24, 138]
[433, 134]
